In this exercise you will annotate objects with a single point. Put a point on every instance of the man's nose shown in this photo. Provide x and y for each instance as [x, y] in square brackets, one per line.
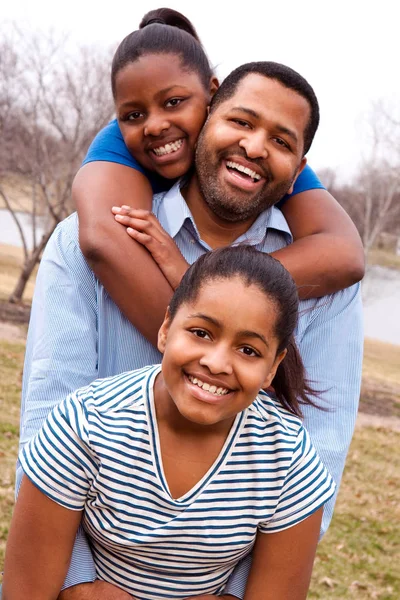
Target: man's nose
[155, 125]
[254, 143]
[217, 359]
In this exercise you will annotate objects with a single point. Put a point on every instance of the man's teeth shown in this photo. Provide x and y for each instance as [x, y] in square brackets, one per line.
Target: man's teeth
[168, 148]
[213, 389]
[242, 169]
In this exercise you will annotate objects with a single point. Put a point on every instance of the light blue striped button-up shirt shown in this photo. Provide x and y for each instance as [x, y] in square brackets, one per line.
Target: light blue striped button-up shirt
[77, 334]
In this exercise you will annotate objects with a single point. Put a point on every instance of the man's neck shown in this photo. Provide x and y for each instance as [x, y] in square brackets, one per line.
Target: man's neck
[213, 230]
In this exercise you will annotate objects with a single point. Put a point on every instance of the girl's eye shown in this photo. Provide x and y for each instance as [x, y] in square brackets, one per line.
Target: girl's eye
[201, 333]
[248, 351]
[173, 102]
[134, 116]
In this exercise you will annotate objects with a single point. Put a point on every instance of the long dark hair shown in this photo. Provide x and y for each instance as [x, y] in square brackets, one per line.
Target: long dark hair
[164, 31]
[269, 275]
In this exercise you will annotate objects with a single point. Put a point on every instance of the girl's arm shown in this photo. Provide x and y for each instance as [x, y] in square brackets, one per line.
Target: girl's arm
[282, 562]
[39, 546]
[327, 254]
[124, 267]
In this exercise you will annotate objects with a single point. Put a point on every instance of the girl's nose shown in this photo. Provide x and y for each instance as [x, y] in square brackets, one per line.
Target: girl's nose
[217, 360]
[155, 126]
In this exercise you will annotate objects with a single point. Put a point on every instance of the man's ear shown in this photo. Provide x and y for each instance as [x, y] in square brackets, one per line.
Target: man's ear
[299, 170]
[163, 332]
[279, 358]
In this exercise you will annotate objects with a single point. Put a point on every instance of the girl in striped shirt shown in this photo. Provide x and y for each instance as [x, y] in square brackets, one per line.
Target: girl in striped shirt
[179, 470]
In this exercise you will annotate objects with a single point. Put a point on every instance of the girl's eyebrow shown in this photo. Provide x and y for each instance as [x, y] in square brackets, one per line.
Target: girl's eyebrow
[171, 87]
[244, 333]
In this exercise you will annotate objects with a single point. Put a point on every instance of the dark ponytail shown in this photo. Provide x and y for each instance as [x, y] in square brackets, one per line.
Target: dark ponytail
[164, 31]
[291, 387]
[168, 16]
[270, 276]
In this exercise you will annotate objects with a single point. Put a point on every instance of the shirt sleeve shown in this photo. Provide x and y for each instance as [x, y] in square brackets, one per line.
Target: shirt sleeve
[331, 345]
[307, 180]
[307, 486]
[109, 146]
[58, 460]
[61, 352]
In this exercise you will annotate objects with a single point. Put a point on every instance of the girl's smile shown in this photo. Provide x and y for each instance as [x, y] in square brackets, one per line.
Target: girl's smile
[219, 351]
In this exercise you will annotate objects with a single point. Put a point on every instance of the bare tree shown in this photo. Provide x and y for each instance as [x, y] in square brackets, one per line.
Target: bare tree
[52, 103]
[372, 199]
[378, 183]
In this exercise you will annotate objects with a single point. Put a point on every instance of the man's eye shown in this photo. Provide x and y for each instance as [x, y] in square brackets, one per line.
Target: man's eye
[248, 351]
[173, 102]
[241, 123]
[134, 116]
[281, 142]
[201, 333]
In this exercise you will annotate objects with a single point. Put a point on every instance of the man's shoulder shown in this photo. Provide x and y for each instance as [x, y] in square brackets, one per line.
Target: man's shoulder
[67, 229]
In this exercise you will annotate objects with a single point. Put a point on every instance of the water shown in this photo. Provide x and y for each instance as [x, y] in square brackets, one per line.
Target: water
[381, 299]
[9, 233]
[381, 286]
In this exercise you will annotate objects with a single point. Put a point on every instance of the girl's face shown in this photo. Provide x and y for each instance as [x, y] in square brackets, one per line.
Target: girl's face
[161, 107]
[219, 351]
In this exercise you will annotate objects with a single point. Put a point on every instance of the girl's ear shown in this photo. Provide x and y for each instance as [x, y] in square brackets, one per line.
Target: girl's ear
[214, 85]
[163, 332]
[279, 358]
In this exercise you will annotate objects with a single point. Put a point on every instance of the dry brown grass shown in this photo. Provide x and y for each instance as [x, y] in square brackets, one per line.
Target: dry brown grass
[11, 261]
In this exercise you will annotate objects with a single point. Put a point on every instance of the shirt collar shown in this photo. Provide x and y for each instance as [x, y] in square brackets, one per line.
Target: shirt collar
[172, 212]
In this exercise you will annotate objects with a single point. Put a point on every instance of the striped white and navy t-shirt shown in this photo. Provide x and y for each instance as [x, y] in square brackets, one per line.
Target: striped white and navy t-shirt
[99, 451]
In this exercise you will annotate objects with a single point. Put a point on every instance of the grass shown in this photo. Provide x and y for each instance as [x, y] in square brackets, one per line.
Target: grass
[11, 260]
[358, 558]
[383, 258]
[11, 359]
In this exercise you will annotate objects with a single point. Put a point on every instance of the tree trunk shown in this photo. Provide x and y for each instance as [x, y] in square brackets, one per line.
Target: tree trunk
[28, 267]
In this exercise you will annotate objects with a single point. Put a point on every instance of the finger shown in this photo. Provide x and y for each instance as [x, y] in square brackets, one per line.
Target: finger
[143, 238]
[134, 212]
[152, 227]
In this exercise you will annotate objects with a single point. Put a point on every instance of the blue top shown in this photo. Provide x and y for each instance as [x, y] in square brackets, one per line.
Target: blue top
[78, 334]
[104, 442]
[109, 145]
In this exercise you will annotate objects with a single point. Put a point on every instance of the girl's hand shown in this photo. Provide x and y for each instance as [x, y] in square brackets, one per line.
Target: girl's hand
[144, 227]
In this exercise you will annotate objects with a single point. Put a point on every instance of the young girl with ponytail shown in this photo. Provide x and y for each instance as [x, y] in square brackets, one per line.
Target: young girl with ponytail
[179, 470]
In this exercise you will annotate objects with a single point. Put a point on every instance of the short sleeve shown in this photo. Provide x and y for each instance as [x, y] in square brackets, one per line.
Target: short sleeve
[109, 146]
[307, 486]
[307, 180]
[58, 460]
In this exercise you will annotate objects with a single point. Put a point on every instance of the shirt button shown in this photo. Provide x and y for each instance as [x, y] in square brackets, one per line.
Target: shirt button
[192, 241]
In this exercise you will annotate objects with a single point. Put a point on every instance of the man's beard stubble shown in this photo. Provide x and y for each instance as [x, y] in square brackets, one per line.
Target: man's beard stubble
[228, 208]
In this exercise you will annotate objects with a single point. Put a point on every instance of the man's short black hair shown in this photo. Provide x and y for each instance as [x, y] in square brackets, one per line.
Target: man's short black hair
[286, 76]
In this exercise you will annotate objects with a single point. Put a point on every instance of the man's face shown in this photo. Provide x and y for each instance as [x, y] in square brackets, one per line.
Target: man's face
[251, 148]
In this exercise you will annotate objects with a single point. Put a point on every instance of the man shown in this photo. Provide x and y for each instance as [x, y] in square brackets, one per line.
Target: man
[252, 148]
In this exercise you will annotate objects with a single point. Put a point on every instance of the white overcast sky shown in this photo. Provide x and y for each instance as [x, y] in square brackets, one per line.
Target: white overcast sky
[348, 49]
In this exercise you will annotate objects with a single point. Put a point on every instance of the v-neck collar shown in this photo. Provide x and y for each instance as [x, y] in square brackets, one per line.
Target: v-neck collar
[222, 458]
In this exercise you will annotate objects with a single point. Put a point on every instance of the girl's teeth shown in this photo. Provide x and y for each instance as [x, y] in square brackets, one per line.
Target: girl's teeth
[168, 148]
[220, 391]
